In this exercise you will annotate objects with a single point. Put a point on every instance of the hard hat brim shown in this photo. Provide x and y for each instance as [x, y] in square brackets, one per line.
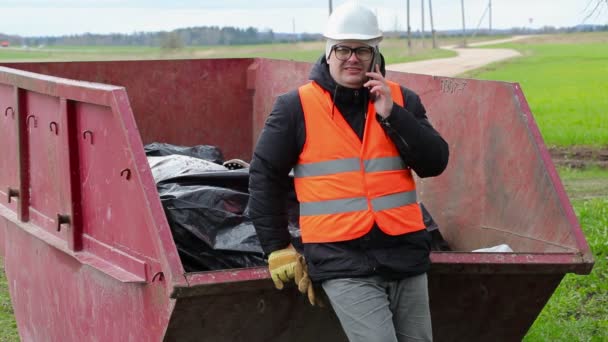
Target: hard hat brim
[351, 36]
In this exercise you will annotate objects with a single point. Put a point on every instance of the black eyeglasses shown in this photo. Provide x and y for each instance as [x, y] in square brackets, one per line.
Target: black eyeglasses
[363, 53]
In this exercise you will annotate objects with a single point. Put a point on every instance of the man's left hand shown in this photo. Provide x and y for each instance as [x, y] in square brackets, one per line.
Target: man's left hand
[282, 264]
[305, 285]
[377, 85]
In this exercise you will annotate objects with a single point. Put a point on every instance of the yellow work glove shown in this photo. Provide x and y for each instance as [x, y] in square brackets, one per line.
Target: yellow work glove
[304, 283]
[282, 264]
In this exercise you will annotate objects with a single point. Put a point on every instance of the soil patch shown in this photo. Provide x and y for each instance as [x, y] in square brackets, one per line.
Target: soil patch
[580, 157]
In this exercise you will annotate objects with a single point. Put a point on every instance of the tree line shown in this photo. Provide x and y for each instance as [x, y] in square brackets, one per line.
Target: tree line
[204, 35]
[213, 35]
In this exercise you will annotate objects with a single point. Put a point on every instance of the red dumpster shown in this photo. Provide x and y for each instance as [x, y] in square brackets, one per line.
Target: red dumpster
[89, 254]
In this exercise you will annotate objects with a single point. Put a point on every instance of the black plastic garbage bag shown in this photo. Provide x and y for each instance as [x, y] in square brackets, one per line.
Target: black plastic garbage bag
[209, 227]
[206, 152]
[207, 213]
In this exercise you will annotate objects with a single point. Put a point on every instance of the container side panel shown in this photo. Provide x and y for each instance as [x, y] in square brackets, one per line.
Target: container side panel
[487, 307]
[496, 188]
[112, 203]
[48, 171]
[523, 208]
[184, 102]
[264, 315]
[9, 161]
[3, 228]
[498, 307]
[56, 298]
[271, 78]
[61, 175]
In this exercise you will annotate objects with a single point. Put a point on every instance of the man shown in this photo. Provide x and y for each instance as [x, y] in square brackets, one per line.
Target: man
[352, 139]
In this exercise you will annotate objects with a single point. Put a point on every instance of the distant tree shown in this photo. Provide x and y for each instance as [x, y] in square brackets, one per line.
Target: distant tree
[548, 29]
[171, 41]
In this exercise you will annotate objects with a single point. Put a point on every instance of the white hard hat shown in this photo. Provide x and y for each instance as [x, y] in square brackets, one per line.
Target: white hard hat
[352, 21]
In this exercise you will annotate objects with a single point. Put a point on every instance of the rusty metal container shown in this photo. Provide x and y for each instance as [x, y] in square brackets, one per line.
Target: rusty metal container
[89, 254]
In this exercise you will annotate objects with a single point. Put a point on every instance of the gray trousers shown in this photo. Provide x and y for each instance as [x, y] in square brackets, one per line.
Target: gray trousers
[374, 309]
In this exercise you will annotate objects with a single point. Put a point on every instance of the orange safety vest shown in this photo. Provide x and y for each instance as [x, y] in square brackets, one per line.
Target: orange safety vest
[345, 185]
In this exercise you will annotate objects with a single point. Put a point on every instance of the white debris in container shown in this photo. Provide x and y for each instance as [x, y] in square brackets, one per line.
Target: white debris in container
[503, 248]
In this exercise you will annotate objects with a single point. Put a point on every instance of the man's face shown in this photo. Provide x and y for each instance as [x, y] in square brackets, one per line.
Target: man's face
[349, 73]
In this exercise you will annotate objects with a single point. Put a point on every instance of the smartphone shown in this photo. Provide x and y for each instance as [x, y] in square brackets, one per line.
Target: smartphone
[372, 68]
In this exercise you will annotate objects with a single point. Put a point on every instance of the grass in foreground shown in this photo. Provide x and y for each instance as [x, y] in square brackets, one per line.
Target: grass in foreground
[565, 84]
[578, 310]
[8, 326]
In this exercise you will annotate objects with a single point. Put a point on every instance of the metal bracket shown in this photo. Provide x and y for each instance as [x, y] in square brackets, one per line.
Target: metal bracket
[12, 193]
[127, 172]
[89, 133]
[12, 112]
[62, 219]
[27, 121]
[54, 127]
[160, 276]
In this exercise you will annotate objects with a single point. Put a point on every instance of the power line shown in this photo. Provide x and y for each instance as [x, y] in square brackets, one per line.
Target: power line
[481, 19]
[422, 33]
[464, 31]
[490, 8]
[432, 25]
[409, 28]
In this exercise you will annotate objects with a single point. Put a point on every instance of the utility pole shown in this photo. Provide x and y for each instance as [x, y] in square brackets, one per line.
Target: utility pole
[330, 7]
[432, 25]
[464, 31]
[422, 33]
[409, 28]
[490, 7]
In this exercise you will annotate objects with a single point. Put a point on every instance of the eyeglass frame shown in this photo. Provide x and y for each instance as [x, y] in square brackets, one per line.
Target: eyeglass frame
[351, 50]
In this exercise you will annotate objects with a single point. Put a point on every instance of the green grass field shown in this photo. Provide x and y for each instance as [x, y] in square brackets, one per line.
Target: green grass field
[566, 85]
[394, 50]
[8, 326]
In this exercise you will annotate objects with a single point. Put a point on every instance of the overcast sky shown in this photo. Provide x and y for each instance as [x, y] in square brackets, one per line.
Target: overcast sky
[51, 18]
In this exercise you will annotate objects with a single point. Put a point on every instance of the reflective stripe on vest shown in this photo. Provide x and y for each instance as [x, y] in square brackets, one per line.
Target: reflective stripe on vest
[357, 204]
[346, 165]
[344, 185]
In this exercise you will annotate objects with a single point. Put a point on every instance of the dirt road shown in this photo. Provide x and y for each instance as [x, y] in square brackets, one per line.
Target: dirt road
[467, 59]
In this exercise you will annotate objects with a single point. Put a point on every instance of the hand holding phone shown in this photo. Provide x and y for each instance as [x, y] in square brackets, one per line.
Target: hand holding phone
[380, 92]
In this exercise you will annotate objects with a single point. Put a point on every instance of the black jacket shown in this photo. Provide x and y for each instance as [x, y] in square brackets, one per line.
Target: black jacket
[277, 152]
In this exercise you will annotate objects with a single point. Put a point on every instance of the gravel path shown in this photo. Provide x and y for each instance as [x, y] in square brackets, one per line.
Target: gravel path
[467, 59]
